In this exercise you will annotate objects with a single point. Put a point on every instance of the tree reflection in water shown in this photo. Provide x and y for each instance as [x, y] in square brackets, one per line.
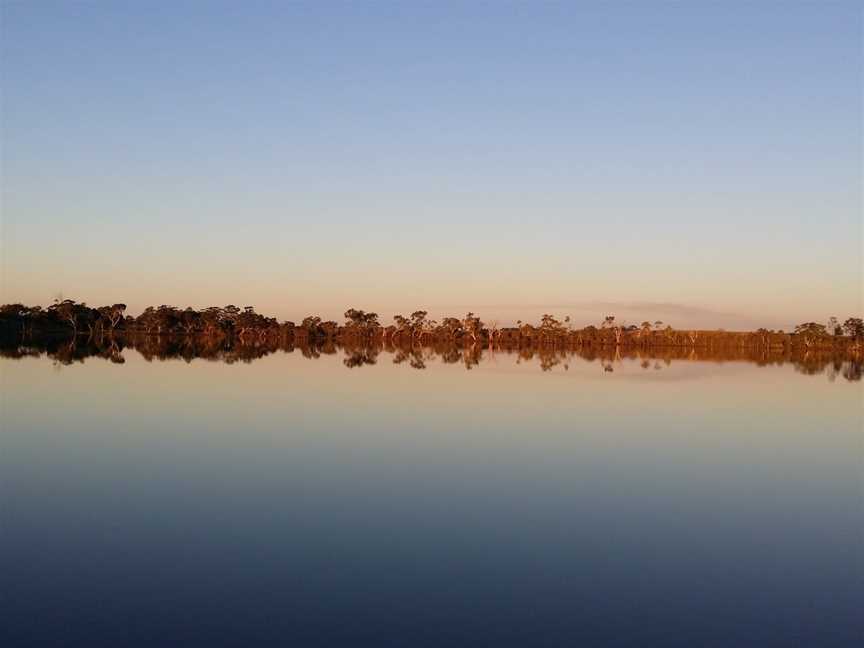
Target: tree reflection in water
[548, 358]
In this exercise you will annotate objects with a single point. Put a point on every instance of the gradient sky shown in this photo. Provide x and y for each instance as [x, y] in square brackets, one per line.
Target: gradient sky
[701, 163]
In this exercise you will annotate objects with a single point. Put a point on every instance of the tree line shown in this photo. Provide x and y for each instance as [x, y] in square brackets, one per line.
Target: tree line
[68, 317]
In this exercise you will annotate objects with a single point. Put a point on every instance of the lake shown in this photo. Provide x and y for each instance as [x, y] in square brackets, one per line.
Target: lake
[315, 499]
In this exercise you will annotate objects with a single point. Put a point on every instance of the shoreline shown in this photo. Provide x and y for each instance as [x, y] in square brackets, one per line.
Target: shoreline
[72, 320]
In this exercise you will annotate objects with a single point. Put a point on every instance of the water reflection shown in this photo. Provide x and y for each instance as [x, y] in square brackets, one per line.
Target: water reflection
[462, 495]
[546, 358]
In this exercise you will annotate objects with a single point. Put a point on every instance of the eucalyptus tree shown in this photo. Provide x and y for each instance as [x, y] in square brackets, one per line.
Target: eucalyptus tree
[811, 332]
[472, 326]
[211, 320]
[115, 315]
[71, 312]
[328, 328]
[167, 319]
[402, 323]
[249, 320]
[311, 323]
[418, 322]
[854, 327]
[549, 324]
[811, 328]
[229, 316]
[452, 326]
[190, 320]
[360, 320]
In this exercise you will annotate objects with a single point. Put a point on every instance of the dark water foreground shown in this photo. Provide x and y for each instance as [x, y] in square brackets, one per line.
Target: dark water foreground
[673, 497]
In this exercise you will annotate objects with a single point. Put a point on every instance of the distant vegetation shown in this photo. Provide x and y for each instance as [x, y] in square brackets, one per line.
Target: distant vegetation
[68, 318]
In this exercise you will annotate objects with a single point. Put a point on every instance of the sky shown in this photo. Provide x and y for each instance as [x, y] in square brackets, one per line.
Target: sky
[697, 163]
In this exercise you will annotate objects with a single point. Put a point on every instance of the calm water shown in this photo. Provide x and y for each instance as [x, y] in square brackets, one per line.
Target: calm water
[294, 501]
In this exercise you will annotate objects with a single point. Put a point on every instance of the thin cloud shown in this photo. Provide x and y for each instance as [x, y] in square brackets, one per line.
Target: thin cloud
[671, 312]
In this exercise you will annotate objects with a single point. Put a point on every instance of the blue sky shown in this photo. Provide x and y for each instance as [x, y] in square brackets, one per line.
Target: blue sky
[314, 156]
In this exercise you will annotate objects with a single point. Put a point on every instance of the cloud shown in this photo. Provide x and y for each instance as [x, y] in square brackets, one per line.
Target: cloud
[668, 308]
[680, 315]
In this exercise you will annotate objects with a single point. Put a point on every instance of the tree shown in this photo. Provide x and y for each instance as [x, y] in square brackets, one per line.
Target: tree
[354, 317]
[249, 320]
[549, 324]
[472, 326]
[229, 316]
[609, 324]
[452, 326]
[311, 323]
[13, 310]
[110, 316]
[359, 319]
[328, 328]
[811, 328]
[810, 332]
[115, 315]
[402, 323]
[418, 319]
[166, 319]
[70, 312]
[854, 327]
[18, 314]
[211, 319]
[834, 327]
[190, 319]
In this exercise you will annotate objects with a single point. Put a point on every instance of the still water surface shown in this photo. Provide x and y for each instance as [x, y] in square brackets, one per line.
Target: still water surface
[291, 501]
